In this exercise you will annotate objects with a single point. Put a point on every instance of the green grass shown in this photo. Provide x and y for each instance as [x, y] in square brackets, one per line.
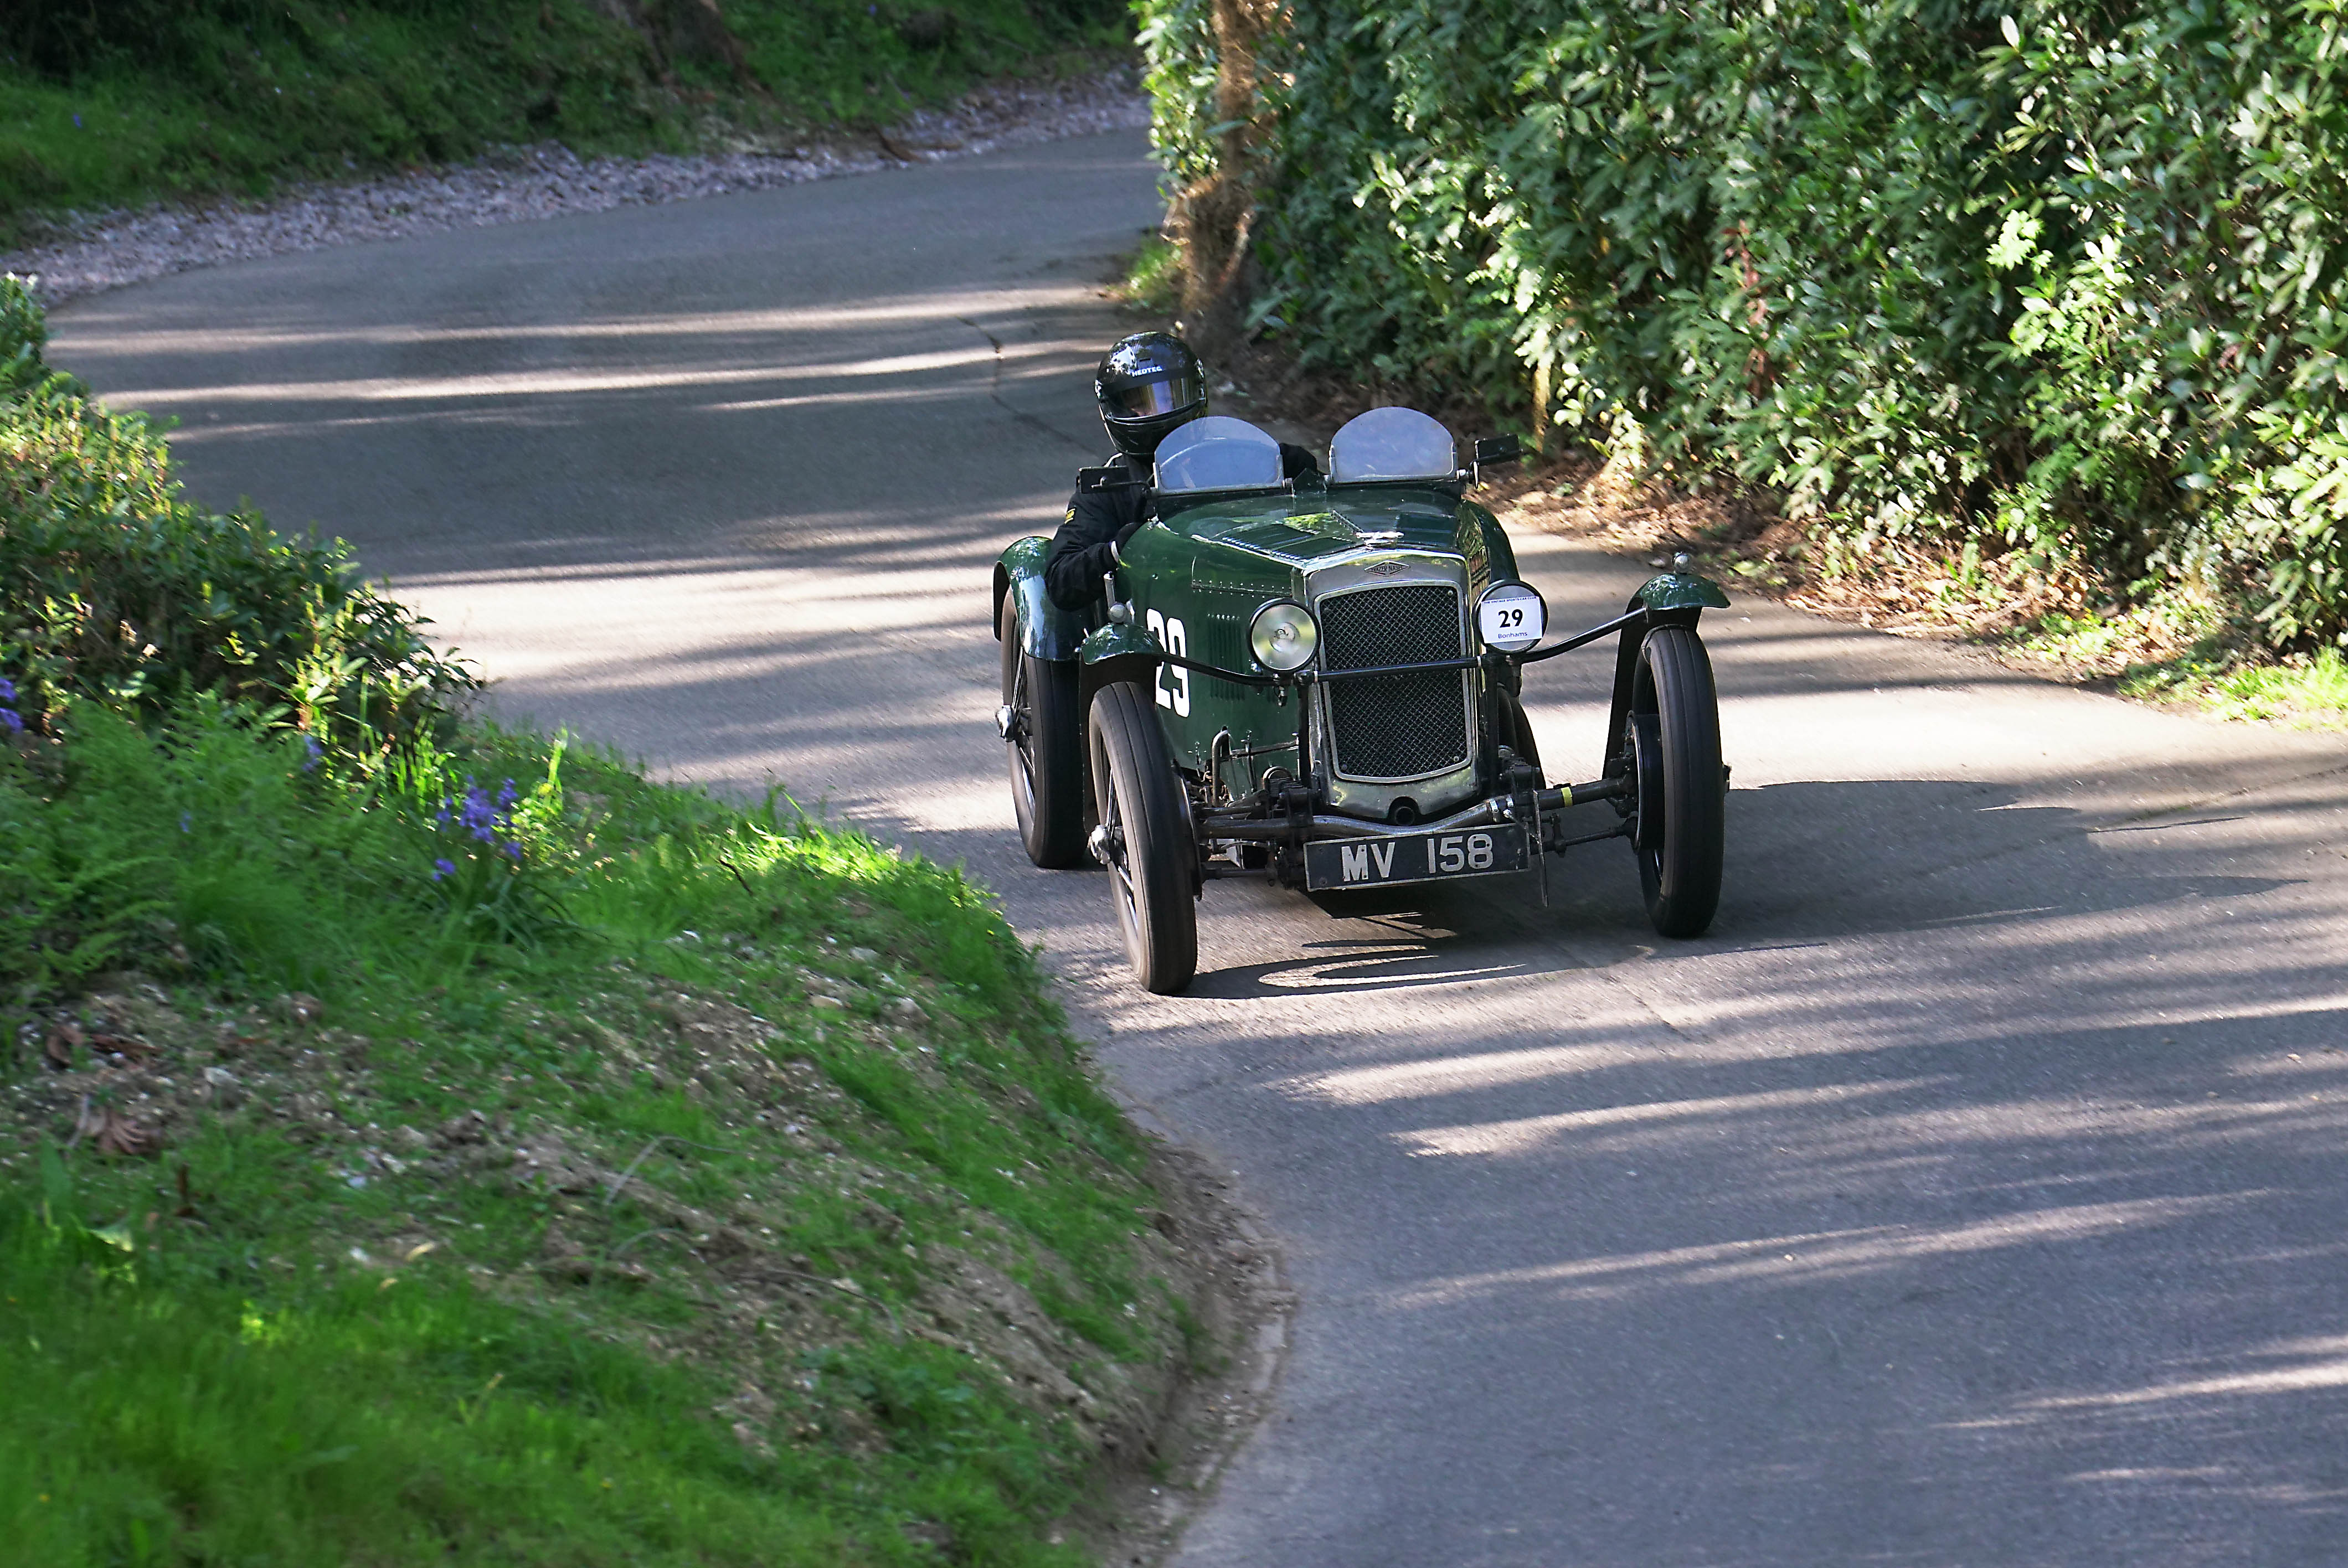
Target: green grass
[325, 92]
[842, 61]
[2175, 648]
[216, 100]
[1153, 278]
[2305, 692]
[316, 1327]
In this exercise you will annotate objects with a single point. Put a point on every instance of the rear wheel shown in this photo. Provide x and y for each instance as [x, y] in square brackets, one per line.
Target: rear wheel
[1045, 747]
[1681, 823]
[1144, 838]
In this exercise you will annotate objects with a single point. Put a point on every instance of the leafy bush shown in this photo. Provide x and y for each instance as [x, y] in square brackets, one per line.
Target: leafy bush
[2022, 274]
[114, 588]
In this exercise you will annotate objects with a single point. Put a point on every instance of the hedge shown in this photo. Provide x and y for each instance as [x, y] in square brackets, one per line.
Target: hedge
[2063, 278]
[115, 589]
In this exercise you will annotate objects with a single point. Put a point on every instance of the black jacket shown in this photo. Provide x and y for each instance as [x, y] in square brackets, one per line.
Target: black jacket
[1100, 521]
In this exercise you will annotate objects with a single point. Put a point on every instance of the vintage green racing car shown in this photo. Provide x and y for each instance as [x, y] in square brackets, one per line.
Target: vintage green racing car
[1317, 683]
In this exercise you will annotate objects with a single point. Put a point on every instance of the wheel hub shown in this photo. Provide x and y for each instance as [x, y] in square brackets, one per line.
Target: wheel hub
[1647, 781]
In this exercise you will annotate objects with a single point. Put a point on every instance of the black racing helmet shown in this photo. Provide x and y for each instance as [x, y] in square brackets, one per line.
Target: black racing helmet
[1147, 384]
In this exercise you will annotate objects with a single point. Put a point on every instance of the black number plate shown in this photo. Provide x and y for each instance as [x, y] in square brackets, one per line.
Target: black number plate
[1382, 861]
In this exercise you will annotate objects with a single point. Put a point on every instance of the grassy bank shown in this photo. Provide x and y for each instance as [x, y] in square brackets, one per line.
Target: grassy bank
[421, 1142]
[123, 101]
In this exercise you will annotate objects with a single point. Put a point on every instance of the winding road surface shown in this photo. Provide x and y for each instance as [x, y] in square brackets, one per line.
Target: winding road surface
[1975, 1193]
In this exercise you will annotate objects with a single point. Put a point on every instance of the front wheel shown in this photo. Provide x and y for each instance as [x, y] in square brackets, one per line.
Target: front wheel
[1681, 824]
[1044, 735]
[1144, 838]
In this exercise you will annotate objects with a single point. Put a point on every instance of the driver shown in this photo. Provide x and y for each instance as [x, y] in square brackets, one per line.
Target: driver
[1147, 384]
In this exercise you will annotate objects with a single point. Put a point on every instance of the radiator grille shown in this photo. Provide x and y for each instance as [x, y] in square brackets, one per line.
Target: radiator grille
[1395, 726]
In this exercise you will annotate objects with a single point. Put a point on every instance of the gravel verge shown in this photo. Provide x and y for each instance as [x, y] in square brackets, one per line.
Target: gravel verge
[87, 253]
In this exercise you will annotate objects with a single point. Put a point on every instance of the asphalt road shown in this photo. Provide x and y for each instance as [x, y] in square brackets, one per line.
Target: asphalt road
[1972, 1195]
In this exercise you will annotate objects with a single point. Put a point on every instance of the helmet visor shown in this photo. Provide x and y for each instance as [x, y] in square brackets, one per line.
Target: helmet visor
[1168, 394]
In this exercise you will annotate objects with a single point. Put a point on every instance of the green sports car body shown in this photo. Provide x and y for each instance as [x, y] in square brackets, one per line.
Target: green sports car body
[1333, 668]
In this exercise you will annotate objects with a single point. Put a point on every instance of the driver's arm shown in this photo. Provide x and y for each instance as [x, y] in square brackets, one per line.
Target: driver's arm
[1085, 549]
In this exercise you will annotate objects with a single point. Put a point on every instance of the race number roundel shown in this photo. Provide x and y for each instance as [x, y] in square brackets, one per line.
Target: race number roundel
[1511, 617]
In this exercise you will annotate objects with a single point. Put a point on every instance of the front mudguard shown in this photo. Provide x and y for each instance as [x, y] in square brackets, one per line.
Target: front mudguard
[1117, 651]
[1670, 599]
[1046, 630]
[1679, 591]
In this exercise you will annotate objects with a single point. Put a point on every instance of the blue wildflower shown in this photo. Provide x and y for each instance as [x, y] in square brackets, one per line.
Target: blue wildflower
[9, 721]
[186, 822]
[316, 750]
[480, 815]
[441, 868]
[506, 796]
[7, 690]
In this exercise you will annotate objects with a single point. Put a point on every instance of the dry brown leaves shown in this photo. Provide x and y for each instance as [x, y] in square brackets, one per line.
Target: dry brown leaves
[113, 1131]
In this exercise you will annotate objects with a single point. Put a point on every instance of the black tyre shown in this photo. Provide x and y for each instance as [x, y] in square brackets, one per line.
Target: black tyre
[1046, 749]
[1680, 821]
[1144, 838]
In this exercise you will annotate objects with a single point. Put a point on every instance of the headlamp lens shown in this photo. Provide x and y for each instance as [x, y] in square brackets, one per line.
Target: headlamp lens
[1283, 636]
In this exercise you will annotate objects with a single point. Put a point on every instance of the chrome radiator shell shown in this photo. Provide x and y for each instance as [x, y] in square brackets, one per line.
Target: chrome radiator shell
[1386, 738]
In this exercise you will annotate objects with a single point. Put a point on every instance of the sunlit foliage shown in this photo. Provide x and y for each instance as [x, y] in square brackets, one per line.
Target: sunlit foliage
[2040, 276]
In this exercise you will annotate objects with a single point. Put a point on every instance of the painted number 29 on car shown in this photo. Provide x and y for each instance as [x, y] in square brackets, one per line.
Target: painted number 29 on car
[1170, 635]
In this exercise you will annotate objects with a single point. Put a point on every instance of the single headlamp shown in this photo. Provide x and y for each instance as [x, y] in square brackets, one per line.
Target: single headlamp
[1511, 617]
[1283, 635]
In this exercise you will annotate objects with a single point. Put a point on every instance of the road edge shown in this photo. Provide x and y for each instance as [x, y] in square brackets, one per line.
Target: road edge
[1235, 1284]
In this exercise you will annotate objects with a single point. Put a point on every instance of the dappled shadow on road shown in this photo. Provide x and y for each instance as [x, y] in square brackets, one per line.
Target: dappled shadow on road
[693, 383]
[1359, 966]
[701, 463]
[2117, 1292]
[1971, 1238]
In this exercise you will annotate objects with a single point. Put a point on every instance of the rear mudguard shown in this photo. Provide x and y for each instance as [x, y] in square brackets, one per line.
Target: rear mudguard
[1046, 630]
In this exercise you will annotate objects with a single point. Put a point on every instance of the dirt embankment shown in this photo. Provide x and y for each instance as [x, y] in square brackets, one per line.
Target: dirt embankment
[581, 1225]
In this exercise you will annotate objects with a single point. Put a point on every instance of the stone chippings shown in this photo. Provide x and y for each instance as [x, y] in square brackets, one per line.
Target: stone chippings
[86, 253]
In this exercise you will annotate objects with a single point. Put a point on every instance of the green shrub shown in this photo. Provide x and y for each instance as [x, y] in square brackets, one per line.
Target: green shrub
[2028, 275]
[115, 589]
